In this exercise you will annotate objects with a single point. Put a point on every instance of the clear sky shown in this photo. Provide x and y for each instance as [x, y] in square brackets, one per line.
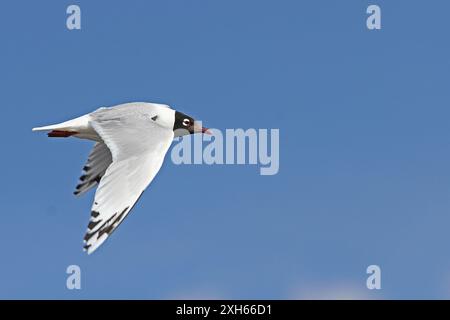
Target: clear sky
[364, 148]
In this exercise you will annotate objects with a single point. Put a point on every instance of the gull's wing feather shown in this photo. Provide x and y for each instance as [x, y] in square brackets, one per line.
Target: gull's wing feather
[138, 147]
[98, 161]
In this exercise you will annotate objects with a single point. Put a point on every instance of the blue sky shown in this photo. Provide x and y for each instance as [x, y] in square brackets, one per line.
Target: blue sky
[364, 148]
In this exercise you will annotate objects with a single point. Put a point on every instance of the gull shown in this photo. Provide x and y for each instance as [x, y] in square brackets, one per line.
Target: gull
[131, 141]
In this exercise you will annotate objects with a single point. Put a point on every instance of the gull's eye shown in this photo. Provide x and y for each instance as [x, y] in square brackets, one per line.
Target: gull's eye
[186, 122]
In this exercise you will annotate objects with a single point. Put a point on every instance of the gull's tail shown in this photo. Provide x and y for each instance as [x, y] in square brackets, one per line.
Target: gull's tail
[65, 129]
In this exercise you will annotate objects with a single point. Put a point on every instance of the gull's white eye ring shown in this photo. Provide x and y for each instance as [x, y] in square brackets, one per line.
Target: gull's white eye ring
[186, 122]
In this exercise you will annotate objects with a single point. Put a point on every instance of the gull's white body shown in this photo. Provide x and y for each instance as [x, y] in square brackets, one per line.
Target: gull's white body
[131, 142]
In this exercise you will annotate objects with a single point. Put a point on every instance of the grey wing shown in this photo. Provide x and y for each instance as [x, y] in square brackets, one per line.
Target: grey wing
[138, 148]
[98, 161]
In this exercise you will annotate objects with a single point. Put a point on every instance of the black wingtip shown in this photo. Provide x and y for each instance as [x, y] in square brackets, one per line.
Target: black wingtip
[94, 213]
[92, 224]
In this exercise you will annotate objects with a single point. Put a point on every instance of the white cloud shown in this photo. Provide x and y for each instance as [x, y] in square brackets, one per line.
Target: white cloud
[329, 291]
[197, 294]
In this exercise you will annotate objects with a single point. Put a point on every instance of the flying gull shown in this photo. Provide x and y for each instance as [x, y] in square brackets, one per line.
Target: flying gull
[131, 141]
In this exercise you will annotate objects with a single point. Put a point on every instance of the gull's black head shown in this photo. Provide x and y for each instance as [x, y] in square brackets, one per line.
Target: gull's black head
[185, 124]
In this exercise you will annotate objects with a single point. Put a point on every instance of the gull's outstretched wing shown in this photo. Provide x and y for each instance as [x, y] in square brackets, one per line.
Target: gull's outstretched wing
[98, 161]
[138, 147]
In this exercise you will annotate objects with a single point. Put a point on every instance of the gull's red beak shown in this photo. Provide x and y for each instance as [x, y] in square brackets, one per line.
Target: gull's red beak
[198, 128]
